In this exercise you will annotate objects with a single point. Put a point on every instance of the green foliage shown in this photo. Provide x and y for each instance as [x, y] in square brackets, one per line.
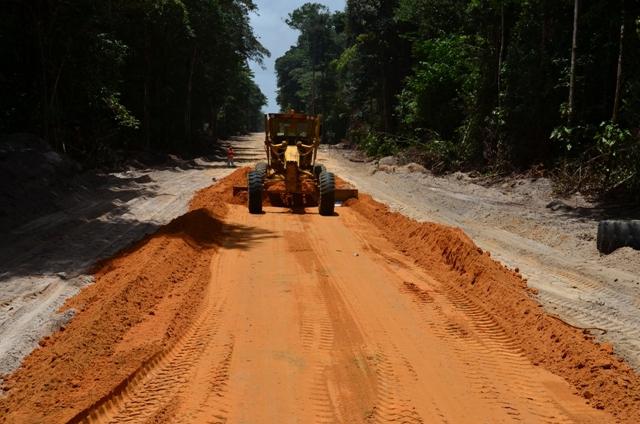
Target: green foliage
[121, 115]
[140, 74]
[379, 145]
[618, 163]
[611, 138]
[485, 84]
[442, 89]
[308, 72]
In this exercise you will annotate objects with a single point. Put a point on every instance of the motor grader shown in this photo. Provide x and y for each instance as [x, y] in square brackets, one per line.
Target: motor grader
[290, 176]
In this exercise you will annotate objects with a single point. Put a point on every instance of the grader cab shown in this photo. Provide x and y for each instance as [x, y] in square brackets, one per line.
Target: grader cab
[291, 176]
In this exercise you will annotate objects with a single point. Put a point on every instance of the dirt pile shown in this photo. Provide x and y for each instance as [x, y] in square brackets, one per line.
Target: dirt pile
[606, 381]
[209, 196]
[140, 304]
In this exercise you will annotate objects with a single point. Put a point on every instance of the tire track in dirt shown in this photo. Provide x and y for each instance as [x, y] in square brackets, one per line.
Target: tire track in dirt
[158, 381]
[585, 302]
[210, 403]
[316, 317]
[499, 360]
[496, 359]
[545, 340]
[384, 362]
[316, 326]
[493, 363]
[320, 319]
[393, 404]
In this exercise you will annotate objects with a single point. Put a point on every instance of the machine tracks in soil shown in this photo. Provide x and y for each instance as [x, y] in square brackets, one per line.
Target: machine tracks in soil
[161, 380]
[323, 320]
[585, 302]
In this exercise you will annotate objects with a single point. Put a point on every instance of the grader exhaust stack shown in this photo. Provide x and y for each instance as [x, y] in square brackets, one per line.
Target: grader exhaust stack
[290, 176]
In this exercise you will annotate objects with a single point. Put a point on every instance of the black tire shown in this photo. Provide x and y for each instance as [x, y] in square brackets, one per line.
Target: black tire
[327, 186]
[614, 234]
[318, 169]
[261, 169]
[255, 184]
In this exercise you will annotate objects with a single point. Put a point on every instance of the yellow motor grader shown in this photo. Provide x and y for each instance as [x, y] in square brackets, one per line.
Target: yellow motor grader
[291, 176]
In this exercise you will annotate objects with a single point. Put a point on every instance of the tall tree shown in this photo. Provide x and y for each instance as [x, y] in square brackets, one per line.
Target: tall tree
[96, 75]
[616, 101]
[574, 48]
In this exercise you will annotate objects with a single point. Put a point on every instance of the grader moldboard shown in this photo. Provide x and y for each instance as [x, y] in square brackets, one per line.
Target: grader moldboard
[290, 176]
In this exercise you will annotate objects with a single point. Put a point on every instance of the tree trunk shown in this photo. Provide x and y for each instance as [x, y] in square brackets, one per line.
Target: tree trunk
[501, 54]
[213, 117]
[43, 78]
[313, 90]
[574, 47]
[618, 95]
[146, 106]
[187, 110]
[386, 113]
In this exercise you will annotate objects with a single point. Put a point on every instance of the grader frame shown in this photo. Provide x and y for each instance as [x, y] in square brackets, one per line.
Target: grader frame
[290, 176]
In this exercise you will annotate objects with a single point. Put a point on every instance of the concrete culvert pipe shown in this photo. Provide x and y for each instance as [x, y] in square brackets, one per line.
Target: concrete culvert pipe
[614, 234]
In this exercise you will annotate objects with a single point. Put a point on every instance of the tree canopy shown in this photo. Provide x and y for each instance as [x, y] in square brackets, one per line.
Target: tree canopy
[498, 85]
[89, 74]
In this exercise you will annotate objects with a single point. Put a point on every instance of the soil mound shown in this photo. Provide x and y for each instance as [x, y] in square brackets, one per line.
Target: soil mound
[141, 302]
[605, 380]
[210, 197]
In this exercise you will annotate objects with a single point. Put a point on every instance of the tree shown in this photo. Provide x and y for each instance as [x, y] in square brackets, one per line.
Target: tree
[574, 48]
[307, 74]
[95, 75]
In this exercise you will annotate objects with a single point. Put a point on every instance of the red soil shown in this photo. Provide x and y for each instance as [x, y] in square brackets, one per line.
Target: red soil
[147, 296]
[141, 301]
[606, 381]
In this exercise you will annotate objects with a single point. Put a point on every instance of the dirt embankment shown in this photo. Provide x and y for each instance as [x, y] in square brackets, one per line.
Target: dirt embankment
[141, 302]
[605, 380]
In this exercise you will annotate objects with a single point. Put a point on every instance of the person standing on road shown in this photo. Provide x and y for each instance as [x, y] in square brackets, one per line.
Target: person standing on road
[230, 154]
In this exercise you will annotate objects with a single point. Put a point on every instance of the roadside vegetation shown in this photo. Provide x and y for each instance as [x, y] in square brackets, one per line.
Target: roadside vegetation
[96, 77]
[498, 86]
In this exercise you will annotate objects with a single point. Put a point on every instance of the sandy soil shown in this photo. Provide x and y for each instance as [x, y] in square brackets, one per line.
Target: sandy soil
[47, 259]
[367, 316]
[553, 247]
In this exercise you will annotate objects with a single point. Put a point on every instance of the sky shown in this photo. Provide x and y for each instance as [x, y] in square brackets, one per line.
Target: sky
[270, 27]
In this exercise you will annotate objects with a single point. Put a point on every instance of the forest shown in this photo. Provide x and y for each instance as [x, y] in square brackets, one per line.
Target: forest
[496, 86]
[95, 76]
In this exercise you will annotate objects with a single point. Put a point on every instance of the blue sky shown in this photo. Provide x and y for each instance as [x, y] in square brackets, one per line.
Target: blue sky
[277, 37]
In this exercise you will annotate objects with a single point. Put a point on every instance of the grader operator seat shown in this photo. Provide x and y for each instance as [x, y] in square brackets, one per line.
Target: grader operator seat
[291, 138]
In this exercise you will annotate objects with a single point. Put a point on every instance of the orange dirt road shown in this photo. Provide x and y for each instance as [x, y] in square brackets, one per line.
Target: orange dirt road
[364, 317]
[303, 322]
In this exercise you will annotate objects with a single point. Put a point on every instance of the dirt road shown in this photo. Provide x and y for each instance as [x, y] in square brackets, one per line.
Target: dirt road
[366, 316]
[46, 260]
[309, 324]
[223, 316]
[554, 250]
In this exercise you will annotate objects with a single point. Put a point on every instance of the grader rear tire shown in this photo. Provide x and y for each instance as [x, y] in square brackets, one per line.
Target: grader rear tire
[261, 168]
[255, 184]
[318, 169]
[327, 193]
